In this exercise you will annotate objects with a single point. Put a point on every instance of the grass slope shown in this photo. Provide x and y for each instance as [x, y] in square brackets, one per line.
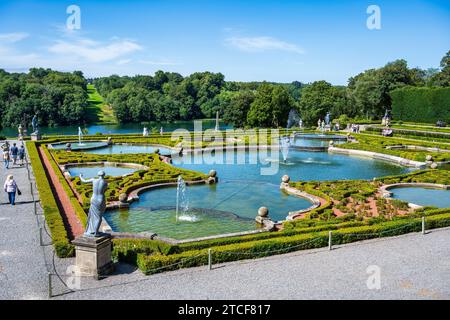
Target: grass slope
[98, 110]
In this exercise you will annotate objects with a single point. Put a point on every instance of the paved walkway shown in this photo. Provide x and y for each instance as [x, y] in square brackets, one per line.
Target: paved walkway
[412, 266]
[23, 272]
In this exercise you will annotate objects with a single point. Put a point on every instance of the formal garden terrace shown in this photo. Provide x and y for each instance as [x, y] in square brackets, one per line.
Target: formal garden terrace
[158, 222]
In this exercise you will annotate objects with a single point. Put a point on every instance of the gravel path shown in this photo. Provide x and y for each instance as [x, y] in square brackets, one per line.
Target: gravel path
[23, 272]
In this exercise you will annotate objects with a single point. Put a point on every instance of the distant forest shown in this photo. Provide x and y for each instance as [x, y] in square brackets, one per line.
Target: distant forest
[60, 98]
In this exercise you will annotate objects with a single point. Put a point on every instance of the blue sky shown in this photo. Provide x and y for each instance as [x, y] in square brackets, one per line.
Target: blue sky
[246, 40]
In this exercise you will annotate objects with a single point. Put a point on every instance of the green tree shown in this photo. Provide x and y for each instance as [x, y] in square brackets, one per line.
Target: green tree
[235, 112]
[271, 107]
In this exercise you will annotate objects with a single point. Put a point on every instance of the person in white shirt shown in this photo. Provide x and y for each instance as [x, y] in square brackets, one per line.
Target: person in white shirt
[11, 188]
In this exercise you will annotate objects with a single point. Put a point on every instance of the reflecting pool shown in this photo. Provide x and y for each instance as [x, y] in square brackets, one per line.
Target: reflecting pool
[84, 146]
[423, 196]
[91, 171]
[232, 204]
[126, 149]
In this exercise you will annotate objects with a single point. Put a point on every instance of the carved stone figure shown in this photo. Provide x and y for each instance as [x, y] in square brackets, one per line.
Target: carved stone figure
[98, 204]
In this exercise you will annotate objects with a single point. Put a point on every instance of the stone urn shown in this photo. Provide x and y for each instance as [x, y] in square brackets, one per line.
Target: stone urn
[331, 143]
[263, 215]
[123, 198]
[434, 165]
[212, 177]
[429, 158]
[109, 141]
[285, 181]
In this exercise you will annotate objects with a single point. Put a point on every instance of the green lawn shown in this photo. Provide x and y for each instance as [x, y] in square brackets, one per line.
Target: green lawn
[98, 110]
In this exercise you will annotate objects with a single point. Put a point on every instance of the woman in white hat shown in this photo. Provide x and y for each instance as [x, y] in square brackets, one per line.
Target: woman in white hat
[11, 188]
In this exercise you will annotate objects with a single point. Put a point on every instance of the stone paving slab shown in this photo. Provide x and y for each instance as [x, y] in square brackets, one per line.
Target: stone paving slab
[23, 271]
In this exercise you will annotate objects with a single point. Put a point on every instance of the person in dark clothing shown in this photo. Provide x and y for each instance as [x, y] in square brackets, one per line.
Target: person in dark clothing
[14, 153]
[22, 154]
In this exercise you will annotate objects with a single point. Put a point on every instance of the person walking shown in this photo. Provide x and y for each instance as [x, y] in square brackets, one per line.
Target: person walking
[22, 154]
[5, 150]
[14, 153]
[11, 188]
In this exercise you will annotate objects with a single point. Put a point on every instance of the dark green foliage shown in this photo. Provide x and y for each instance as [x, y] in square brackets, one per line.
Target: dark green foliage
[59, 98]
[421, 104]
[55, 222]
[271, 107]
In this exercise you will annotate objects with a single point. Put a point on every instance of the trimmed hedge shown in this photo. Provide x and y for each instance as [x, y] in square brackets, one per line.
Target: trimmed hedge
[126, 250]
[155, 263]
[421, 104]
[375, 143]
[55, 222]
[413, 132]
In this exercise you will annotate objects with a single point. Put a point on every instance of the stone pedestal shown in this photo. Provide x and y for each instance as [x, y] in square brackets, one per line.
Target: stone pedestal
[93, 255]
[36, 136]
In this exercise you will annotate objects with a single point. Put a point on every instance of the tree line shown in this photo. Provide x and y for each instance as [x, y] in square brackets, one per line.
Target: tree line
[170, 96]
[61, 98]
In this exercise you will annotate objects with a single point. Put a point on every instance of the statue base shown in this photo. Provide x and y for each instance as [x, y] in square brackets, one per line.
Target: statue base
[36, 136]
[93, 255]
[327, 128]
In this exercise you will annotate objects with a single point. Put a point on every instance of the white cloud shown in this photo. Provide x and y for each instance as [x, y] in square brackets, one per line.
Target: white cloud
[93, 51]
[159, 63]
[123, 61]
[259, 44]
[13, 37]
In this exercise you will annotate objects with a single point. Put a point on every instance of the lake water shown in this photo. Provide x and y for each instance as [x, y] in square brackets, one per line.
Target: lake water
[120, 128]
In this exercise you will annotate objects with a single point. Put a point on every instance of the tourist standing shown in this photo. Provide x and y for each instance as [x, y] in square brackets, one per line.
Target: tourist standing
[5, 150]
[22, 154]
[14, 153]
[11, 188]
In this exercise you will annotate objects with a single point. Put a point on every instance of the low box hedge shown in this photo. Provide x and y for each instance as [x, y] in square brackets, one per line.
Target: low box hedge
[155, 263]
[55, 222]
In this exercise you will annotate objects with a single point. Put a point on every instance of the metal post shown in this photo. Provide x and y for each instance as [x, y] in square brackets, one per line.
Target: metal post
[50, 294]
[209, 260]
[423, 225]
[40, 237]
[329, 240]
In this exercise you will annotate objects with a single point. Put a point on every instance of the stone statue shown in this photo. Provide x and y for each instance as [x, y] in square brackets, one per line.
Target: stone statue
[98, 204]
[327, 119]
[20, 130]
[35, 124]
[319, 123]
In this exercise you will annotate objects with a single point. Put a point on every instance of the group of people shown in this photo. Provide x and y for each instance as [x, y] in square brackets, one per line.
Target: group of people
[16, 155]
[354, 128]
[13, 154]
